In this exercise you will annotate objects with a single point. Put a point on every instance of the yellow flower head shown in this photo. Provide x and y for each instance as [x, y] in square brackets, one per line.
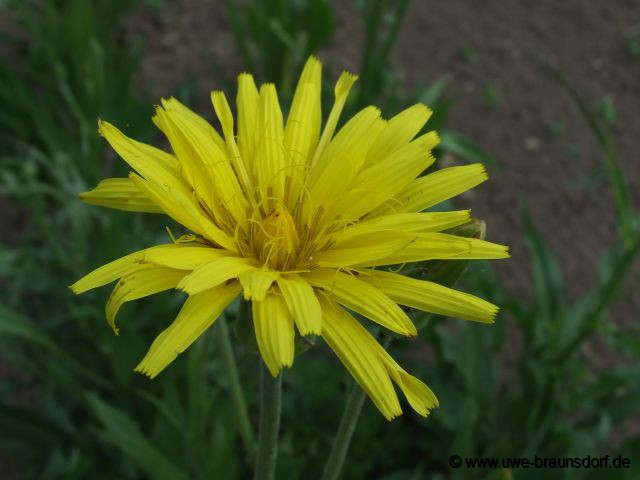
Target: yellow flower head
[296, 218]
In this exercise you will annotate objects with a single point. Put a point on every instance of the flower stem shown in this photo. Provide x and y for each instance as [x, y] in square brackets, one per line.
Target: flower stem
[342, 440]
[270, 393]
[235, 389]
[348, 423]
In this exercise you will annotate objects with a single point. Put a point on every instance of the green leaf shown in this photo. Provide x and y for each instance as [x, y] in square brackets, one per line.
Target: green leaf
[431, 94]
[14, 325]
[461, 146]
[548, 282]
[302, 344]
[604, 296]
[123, 432]
[26, 426]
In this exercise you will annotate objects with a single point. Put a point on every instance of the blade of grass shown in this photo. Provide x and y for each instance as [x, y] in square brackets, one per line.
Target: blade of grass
[15, 325]
[620, 190]
[461, 146]
[547, 275]
[123, 432]
[239, 34]
[607, 294]
[377, 45]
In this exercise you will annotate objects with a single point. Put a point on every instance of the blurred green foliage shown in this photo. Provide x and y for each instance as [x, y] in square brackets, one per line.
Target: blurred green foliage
[72, 407]
[275, 37]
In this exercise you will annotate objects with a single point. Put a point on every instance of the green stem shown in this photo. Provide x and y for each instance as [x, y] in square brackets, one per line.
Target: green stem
[235, 390]
[347, 427]
[348, 423]
[270, 393]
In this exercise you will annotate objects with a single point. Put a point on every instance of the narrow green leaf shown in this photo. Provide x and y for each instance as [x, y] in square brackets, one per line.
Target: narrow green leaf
[464, 148]
[28, 427]
[124, 433]
[431, 94]
[548, 280]
[605, 295]
[16, 326]
[616, 177]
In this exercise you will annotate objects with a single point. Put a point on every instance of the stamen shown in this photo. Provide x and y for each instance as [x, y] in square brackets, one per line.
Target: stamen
[399, 269]
[173, 239]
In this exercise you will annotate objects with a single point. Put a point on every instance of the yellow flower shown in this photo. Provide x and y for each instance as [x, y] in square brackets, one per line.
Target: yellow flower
[296, 218]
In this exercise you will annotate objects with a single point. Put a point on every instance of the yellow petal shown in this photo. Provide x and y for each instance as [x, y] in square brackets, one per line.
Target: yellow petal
[141, 283]
[311, 73]
[248, 105]
[410, 160]
[150, 162]
[336, 169]
[215, 273]
[378, 183]
[481, 249]
[187, 141]
[305, 116]
[195, 121]
[427, 246]
[197, 314]
[223, 111]
[185, 257]
[399, 131]
[119, 268]
[434, 188]
[302, 303]
[204, 164]
[341, 91]
[270, 158]
[367, 249]
[404, 222]
[419, 396]
[256, 282]
[300, 139]
[349, 340]
[120, 194]
[274, 332]
[182, 208]
[349, 143]
[362, 298]
[430, 296]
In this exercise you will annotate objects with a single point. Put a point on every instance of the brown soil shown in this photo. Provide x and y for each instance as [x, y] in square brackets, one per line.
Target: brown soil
[588, 41]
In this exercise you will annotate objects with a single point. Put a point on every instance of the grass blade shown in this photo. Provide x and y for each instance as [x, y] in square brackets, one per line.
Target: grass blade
[464, 148]
[124, 433]
[620, 188]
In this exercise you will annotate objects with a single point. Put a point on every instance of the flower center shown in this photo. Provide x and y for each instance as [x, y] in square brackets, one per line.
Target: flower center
[277, 242]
